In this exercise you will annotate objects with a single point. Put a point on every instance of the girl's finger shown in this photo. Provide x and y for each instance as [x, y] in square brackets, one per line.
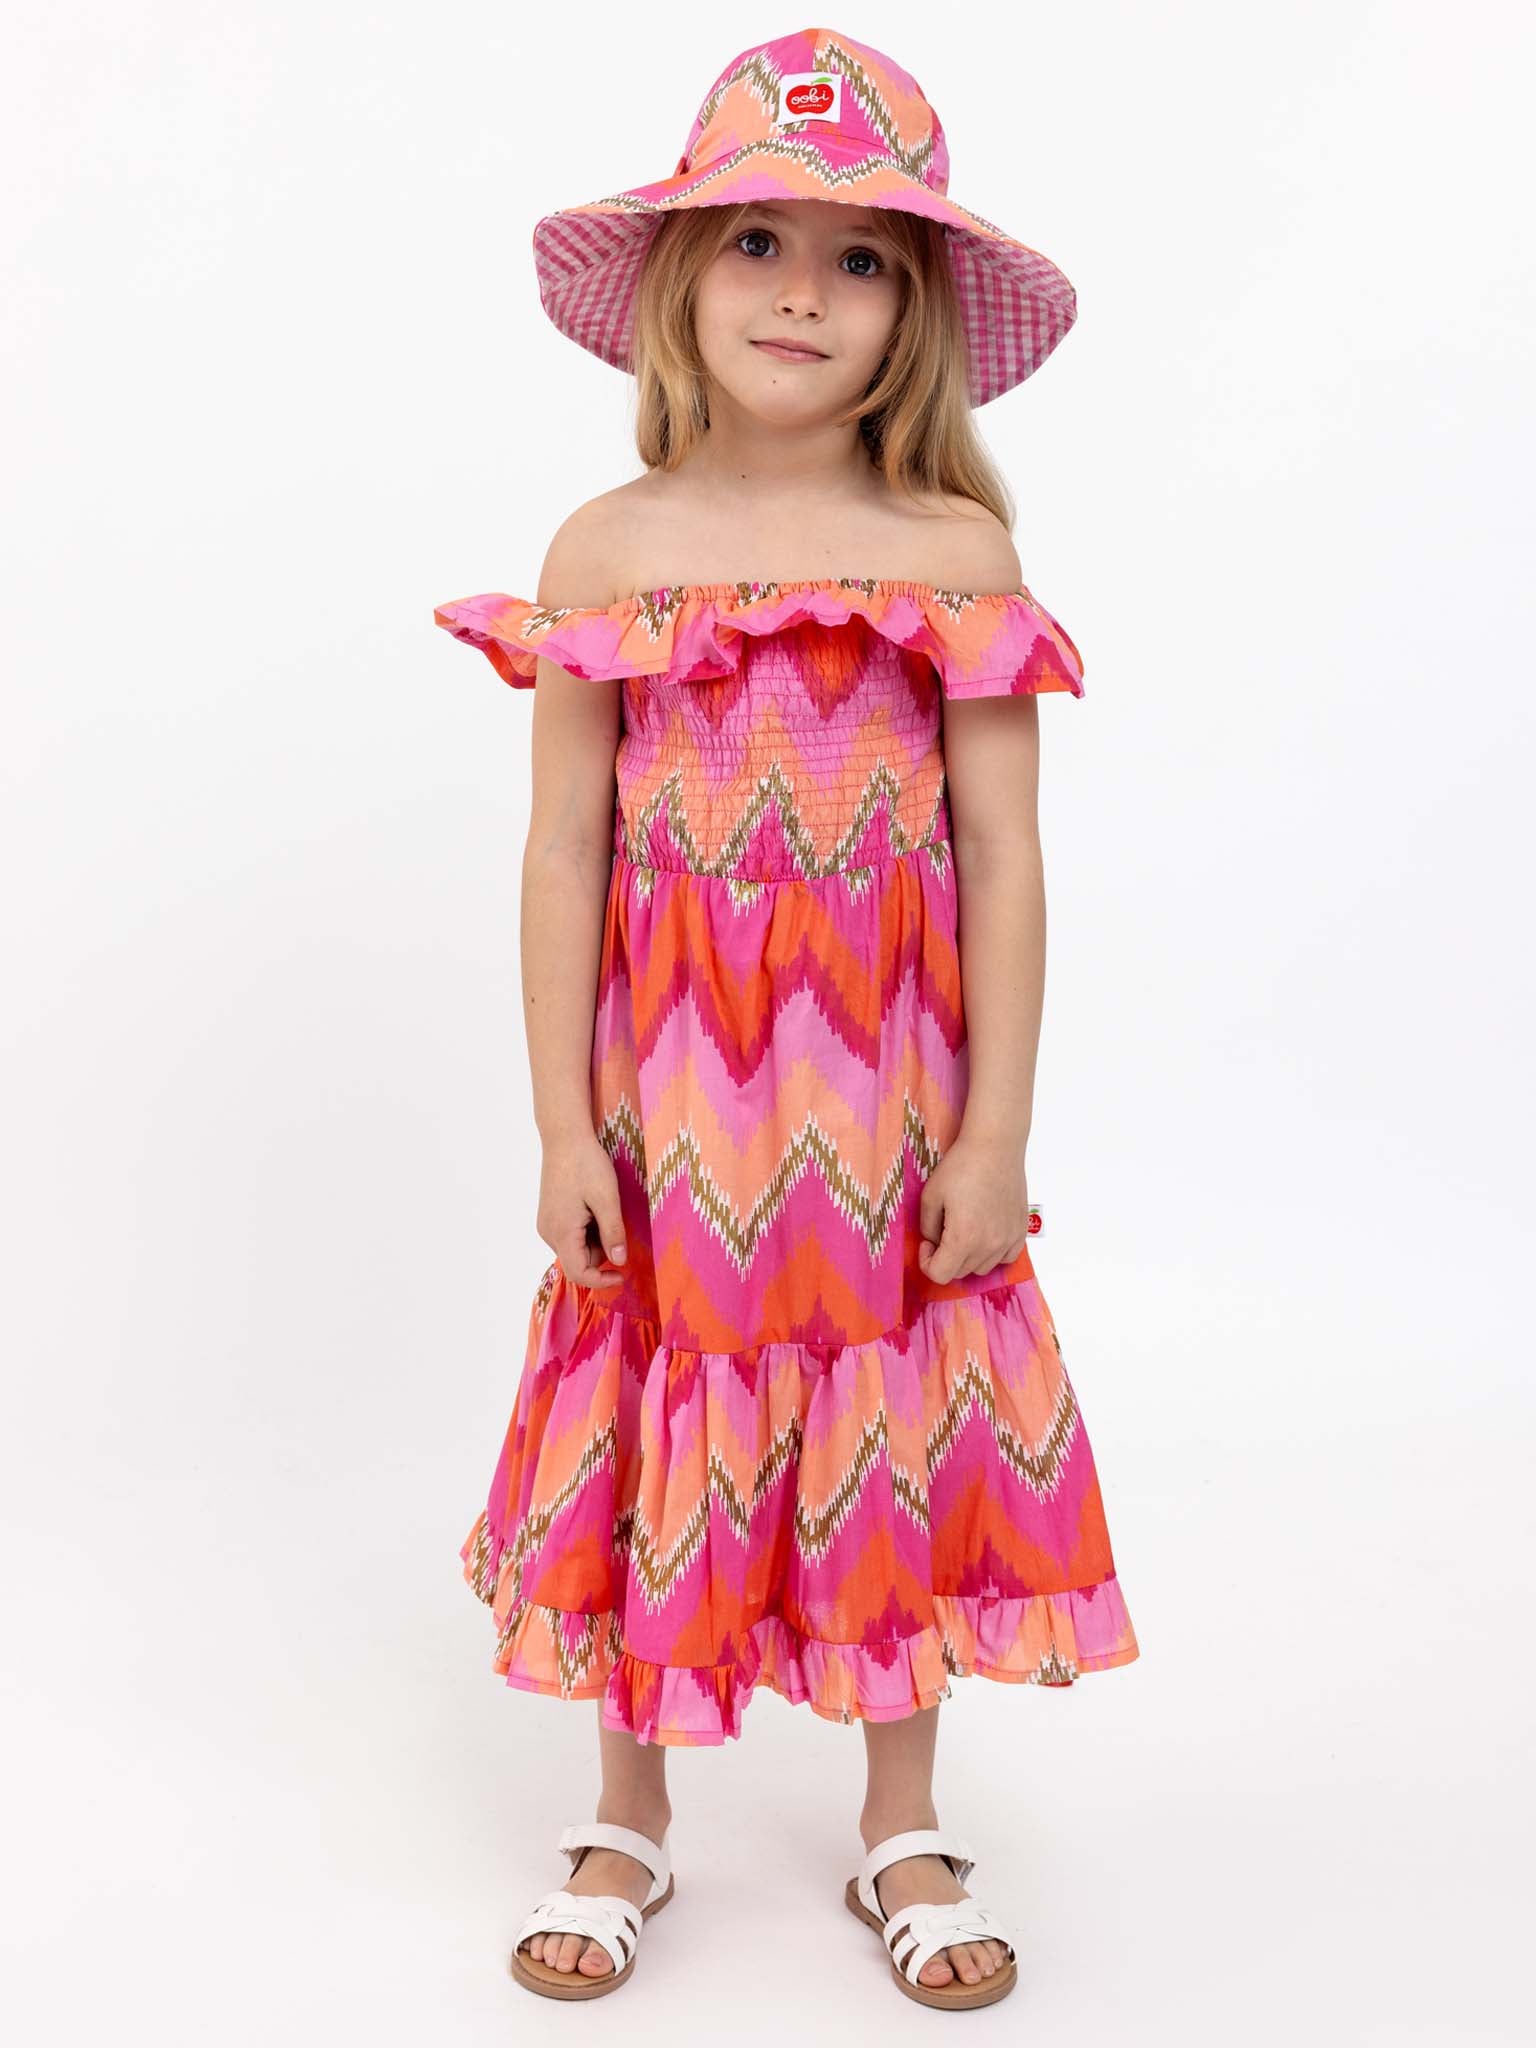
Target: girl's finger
[579, 1266]
[609, 1219]
[945, 1262]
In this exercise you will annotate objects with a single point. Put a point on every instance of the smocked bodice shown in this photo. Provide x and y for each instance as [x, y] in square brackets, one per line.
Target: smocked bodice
[781, 731]
[821, 751]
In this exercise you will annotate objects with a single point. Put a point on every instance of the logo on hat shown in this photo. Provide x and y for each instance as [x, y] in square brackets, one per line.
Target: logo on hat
[810, 96]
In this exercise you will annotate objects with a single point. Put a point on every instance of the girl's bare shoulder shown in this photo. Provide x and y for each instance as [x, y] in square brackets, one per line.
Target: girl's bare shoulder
[655, 529]
[965, 544]
[592, 551]
[585, 560]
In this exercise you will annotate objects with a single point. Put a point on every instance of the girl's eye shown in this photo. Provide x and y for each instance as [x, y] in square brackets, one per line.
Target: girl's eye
[870, 265]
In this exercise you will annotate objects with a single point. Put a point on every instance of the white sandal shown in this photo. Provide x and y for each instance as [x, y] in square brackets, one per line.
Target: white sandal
[913, 1935]
[604, 1917]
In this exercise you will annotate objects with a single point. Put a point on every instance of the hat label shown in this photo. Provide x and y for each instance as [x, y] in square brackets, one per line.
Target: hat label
[810, 96]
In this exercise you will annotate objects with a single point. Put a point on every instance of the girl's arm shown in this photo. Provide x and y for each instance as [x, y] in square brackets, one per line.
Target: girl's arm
[992, 755]
[974, 1212]
[567, 862]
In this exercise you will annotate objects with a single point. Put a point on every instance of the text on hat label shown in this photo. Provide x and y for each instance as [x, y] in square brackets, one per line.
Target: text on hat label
[810, 96]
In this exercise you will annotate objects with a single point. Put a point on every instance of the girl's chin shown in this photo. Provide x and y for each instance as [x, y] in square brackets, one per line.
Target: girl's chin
[779, 392]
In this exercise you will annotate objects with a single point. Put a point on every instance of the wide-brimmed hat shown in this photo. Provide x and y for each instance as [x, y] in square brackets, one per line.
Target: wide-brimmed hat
[813, 115]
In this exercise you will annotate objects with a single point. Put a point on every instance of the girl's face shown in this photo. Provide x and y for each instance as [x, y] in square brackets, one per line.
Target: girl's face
[795, 311]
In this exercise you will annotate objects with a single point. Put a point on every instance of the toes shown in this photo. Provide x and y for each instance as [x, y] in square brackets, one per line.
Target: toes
[963, 1956]
[970, 1961]
[570, 1952]
[974, 1960]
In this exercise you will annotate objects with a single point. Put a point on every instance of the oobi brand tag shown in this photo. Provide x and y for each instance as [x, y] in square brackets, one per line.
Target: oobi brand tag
[810, 96]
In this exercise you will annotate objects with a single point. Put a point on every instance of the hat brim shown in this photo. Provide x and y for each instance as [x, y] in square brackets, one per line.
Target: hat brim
[1016, 304]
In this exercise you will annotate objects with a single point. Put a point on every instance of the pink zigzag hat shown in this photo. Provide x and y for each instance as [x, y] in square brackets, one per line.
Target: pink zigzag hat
[813, 115]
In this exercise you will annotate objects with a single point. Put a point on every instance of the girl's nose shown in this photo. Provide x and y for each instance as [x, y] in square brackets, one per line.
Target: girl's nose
[800, 295]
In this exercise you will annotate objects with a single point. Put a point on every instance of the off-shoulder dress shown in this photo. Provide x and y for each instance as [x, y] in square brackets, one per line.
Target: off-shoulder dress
[777, 1453]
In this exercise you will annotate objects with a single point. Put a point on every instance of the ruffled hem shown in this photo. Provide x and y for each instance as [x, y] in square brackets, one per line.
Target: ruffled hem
[635, 1496]
[1046, 1639]
[982, 643]
[850, 1524]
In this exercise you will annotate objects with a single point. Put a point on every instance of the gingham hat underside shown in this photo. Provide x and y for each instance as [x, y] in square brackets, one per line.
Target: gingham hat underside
[884, 148]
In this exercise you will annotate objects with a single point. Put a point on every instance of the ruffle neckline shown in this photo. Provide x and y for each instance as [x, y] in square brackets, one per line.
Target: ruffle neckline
[982, 643]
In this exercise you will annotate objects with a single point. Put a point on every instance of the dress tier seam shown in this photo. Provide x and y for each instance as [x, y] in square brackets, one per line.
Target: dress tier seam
[1000, 1294]
[858, 870]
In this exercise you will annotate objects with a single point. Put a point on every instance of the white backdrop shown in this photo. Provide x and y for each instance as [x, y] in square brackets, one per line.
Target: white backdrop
[277, 383]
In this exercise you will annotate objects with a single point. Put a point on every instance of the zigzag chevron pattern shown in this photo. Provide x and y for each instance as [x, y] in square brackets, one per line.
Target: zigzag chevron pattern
[777, 1454]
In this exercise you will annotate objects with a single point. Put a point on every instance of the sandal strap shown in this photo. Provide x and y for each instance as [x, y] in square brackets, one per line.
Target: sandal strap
[613, 1922]
[605, 1834]
[915, 1934]
[914, 1842]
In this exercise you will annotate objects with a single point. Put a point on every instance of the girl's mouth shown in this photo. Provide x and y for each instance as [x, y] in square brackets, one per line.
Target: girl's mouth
[790, 352]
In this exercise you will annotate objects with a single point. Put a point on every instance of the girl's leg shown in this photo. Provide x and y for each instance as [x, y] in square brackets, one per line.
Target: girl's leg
[634, 1795]
[898, 1796]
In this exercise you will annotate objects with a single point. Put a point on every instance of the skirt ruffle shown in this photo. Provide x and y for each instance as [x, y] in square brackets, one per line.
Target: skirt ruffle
[851, 1525]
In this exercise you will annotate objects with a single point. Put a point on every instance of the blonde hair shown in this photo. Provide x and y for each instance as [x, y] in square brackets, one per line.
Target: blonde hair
[915, 417]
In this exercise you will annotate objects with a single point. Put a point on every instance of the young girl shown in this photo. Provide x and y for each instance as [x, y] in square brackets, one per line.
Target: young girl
[793, 1411]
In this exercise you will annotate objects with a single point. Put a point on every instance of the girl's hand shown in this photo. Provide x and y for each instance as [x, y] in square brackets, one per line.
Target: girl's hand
[579, 1213]
[974, 1211]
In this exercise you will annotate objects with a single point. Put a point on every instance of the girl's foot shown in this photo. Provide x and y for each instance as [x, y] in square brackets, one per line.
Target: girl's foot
[929, 1881]
[601, 1870]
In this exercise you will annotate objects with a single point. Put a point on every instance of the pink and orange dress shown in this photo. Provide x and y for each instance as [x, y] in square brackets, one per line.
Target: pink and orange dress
[777, 1453]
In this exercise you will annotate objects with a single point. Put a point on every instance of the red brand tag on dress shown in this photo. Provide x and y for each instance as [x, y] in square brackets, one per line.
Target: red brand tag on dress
[1035, 1224]
[809, 96]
